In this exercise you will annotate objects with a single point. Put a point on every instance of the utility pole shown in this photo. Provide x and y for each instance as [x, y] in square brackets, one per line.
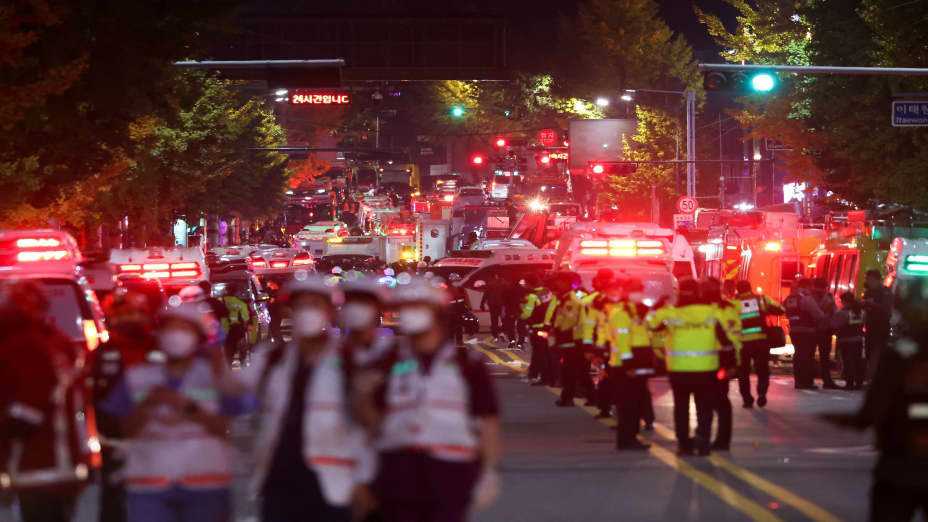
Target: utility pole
[690, 143]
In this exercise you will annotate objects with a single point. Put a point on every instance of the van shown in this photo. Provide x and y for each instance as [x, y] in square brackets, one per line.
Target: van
[477, 267]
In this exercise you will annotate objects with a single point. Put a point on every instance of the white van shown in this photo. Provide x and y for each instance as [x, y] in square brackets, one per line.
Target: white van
[477, 267]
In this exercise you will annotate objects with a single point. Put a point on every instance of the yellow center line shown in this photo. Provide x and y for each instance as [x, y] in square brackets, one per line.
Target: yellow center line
[751, 509]
[806, 507]
[499, 360]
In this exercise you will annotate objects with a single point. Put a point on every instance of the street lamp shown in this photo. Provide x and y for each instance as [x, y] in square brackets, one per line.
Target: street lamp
[602, 101]
[281, 92]
[627, 97]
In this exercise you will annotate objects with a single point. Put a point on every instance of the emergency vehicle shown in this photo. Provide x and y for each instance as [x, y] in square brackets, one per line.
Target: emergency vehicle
[321, 230]
[389, 249]
[174, 267]
[51, 259]
[907, 260]
[645, 251]
[477, 267]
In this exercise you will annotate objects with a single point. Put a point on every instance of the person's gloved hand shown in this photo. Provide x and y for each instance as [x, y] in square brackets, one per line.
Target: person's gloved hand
[487, 489]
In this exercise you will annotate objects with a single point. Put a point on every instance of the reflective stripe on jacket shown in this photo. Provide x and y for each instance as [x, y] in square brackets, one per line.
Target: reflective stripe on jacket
[693, 344]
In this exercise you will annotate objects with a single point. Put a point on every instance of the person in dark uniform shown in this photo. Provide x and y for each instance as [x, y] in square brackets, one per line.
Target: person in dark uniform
[894, 407]
[130, 326]
[458, 307]
[755, 349]
[494, 299]
[438, 457]
[878, 307]
[848, 326]
[804, 316]
[826, 303]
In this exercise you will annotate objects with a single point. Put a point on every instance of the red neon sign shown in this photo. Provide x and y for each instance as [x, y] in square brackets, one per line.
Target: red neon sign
[319, 98]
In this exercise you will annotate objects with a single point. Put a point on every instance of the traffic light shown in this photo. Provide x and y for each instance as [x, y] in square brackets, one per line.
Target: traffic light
[477, 160]
[500, 142]
[741, 82]
[457, 111]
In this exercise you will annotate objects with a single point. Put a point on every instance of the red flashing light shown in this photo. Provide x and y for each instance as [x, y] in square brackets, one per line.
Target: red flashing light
[500, 142]
[185, 273]
[31, 256]
[598, 169]
[130, 268]
[545, 159]
[37, 242]
[476, 159]
[184, 266]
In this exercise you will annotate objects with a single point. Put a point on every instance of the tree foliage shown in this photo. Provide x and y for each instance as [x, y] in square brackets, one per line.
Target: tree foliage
[838, 125]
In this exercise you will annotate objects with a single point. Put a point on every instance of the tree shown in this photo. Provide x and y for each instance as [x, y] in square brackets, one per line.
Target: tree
[838, 125]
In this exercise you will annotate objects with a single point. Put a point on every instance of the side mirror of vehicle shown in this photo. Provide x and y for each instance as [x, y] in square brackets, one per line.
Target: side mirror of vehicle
[480, 284]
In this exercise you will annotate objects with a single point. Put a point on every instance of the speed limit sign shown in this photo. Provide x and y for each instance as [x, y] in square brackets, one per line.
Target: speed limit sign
[687, 205]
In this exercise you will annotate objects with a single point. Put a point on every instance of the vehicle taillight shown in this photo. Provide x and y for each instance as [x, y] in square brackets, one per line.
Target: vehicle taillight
[278, 264]
[342, 232]
[129, 268]
[258, 262]
[302, 260]
[91, 334]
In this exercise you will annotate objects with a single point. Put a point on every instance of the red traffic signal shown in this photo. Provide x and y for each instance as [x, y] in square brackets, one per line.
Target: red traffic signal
[598, 169]
[613, 168]
[500, 142]
[476, 159]
[545, 160]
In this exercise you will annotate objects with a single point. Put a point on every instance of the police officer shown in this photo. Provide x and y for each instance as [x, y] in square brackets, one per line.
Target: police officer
[537, 312]
[311, 457]
[566, 339]
[729, 351]
[692, 355]
[175, 416]
[895, 407]
[644, 349]
[826, 303]
[435, 412]
[848, 326]
[627, 379]
[805, 317]
[878, 305]
[591, 315]
[236, 323]
[129, 321]
[457, 306]
[755, 347]
[494, 298]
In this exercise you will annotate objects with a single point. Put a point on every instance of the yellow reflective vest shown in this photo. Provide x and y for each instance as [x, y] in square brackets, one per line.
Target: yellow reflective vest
[618, 334]
[591, 314]
[731, 324]
[692, 345]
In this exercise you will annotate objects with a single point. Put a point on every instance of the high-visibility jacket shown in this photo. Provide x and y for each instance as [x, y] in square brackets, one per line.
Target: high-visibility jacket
[693, 343]
[429, 411]
[334, 446]
[618, 334]
[730, 314]
[591, 314]
[238, 312]
[172, 450]
[754, 311]
[630, 342]
[537, 311]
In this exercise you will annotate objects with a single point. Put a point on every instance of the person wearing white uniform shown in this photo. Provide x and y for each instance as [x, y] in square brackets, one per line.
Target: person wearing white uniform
[436, 415]
[175, 418]
[359, 318]
[312, 460]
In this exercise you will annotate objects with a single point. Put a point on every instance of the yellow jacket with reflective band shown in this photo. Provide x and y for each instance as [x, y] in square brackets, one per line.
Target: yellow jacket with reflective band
[640, 334]
[692, 345]
[238, 312]
[618, 329]
[568, 312]
[591, 314]
[552, 306]
[731, 324]
[528, 305]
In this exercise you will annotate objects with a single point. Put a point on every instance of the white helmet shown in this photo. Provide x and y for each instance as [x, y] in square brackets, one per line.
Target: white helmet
[313, 284]
[195, 314]
[420, 291]
[192, 294]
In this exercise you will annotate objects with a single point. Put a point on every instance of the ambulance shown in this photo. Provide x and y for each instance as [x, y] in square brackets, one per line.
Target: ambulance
[477, 267]
[51, 259]
[655, 255]
[175, 268]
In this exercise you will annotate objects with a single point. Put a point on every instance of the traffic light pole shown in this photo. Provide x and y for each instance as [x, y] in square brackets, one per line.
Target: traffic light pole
[690, 143]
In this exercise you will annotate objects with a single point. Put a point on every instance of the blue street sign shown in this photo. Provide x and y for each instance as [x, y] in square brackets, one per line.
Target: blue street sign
[910, 113]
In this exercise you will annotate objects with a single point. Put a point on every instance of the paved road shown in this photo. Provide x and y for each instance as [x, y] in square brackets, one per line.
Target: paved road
[560, 465]
[784, 465]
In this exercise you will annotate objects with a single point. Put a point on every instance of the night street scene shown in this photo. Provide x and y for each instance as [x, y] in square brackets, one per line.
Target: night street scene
[449, 261]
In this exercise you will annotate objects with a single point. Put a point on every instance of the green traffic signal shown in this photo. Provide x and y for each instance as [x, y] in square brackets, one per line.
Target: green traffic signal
[763, 82]
[457, 111]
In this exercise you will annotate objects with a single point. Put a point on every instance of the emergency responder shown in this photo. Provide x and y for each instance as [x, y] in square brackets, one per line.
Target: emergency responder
[494, 299]
[710, 291]
[566, 341]
[537, 312]
[644, 349]
[894, 407]
[626, 380]
[359, 319]
[826, 303]
[311, 457]
[848, 327]
[692, 355]
[435, 412]
[236, 323]
[175, 416]
[755, 347]
[512, 309]
[457, 307]
[129, 321]
[878, 307]
[804, 319]
[590, 345]
[41, 423]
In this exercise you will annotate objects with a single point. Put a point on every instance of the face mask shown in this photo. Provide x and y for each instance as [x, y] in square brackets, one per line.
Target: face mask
[414, 321]
[358, 316]
[178, 344]
[309, 322]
